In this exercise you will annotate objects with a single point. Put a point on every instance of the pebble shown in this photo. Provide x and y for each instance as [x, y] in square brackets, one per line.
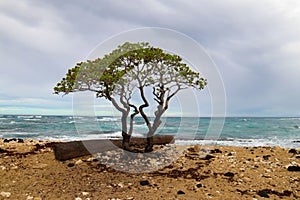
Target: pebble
[78, 162]
[208, 157]
[229, 174]
[180, 192]
[5, 194]
[78, 198]
[85, 193]
[266, 157]
[121, 185]
[2, 167]
[293, 168]
[199, 185]
[144, 182]
[263, 194]
[130, 198]
[71, 165]
[293, 151]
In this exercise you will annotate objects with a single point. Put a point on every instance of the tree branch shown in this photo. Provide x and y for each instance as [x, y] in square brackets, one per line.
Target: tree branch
[141, 108]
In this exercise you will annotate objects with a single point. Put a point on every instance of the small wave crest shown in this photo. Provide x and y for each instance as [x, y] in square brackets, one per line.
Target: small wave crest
[108, 119]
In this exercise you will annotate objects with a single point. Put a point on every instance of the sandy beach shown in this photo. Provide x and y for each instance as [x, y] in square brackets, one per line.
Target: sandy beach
[28, 170]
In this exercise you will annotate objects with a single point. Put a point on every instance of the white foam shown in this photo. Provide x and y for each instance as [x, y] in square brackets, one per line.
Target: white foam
[108, 119]
[285, 143]
[30, 119]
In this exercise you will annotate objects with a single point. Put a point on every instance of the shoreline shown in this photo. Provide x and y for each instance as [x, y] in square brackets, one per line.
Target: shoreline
[223, 172]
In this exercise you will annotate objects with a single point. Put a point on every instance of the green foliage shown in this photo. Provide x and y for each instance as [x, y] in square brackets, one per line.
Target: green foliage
[138, 61]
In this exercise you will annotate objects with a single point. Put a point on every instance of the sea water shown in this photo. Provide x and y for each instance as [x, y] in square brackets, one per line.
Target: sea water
[233, 131]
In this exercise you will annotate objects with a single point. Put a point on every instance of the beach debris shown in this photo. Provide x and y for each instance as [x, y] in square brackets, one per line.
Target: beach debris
[144, 182]
[5, 194]
[71, 165]
[180, 192]
[68, 150]
[293, 168]
[263, 193]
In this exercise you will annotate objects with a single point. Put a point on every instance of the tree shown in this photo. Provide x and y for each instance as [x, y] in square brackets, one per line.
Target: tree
[129, 67]
[102, 76]
[166, 75]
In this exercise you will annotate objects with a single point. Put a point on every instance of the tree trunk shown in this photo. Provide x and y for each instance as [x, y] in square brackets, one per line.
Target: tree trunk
[149, 145]
[69, 150]
[126, 141]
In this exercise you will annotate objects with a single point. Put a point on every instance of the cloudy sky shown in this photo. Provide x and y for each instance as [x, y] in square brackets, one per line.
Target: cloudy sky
[255, 44]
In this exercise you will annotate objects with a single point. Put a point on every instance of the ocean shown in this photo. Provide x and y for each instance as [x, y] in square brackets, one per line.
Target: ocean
[236, 131]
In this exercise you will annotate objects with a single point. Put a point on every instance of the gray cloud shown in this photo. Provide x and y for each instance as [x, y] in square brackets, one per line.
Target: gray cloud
[254, 43]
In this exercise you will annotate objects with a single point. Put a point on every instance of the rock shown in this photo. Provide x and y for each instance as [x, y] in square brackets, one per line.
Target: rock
[229, 174]
[208, 157]
[215, 151]
[20, 140]
[294, 151]
[180, 192]
[5, 194]
[144, 182]
[6, 140]
[263, 193]
[71, 165]
[78, 162]
[121, 185]
[85, 193]
[293, 168]
[14, 167]
[3, 151]
[199, 185]
[266, 157]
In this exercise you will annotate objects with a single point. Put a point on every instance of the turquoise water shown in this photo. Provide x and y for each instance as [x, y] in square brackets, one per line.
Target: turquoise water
[284, 132]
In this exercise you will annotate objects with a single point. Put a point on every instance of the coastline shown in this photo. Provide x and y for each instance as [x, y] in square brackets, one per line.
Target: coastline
[28, 170]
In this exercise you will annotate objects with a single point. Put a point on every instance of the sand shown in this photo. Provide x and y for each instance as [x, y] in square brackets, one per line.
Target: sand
[29, 170]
